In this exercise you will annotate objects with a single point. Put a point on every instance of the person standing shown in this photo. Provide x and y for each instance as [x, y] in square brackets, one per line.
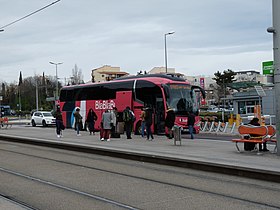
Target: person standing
[149, 122]
[58, 122]
[78, 120]
[191, 121]
[91, 118]
[128, 117]
[143, 124]
[169, 122]
[106, 125]
[115, 116]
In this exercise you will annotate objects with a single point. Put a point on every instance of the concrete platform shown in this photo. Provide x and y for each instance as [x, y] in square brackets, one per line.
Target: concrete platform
[204, 154]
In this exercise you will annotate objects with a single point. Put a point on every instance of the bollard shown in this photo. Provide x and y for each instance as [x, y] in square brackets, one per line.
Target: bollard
[177, 134]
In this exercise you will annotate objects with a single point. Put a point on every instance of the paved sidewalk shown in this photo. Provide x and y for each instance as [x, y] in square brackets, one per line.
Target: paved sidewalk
[212, 152]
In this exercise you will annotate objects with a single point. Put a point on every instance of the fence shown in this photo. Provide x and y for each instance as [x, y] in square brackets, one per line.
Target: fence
[215, 127]
[212, 126]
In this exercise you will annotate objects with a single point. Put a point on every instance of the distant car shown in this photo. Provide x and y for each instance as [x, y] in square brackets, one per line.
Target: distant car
[42, 118]
[213, 109]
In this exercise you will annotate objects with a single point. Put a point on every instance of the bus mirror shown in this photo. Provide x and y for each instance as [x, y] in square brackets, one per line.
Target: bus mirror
[200, 89]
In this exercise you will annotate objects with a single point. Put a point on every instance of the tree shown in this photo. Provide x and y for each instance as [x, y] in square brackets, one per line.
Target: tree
[77, 76]
[223, 80]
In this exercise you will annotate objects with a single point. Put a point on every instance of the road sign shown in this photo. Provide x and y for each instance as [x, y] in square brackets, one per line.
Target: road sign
[268, 67]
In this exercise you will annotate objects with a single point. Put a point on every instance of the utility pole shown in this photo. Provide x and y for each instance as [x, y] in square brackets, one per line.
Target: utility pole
[275, 30]
[165, 49]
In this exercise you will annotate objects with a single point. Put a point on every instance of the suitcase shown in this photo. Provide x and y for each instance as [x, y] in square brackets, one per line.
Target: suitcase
[115, 135]
[248, 146]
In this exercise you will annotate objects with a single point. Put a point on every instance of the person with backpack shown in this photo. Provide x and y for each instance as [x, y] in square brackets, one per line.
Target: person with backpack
[128, 118]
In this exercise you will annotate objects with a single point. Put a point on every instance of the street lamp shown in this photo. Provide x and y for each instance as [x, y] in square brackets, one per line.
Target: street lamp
[165, 50]
[56, 79]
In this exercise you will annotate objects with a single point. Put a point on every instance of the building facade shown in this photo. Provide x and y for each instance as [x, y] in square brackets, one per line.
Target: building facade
[106, 73]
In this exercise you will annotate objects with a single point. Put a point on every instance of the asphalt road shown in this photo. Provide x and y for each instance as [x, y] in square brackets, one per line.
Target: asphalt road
[47, 178]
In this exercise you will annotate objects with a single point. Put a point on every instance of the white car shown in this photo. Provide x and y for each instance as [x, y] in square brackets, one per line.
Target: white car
[42, 118]
[213, 109]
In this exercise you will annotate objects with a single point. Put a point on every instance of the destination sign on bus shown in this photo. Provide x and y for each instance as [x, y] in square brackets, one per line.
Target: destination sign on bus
[180, 87]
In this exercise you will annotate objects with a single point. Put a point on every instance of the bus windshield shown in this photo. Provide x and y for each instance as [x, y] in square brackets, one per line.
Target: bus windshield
[182, 99]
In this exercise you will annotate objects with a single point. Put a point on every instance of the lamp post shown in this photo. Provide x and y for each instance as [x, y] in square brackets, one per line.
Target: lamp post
[56, 78]
[275, 29]
[165, 50]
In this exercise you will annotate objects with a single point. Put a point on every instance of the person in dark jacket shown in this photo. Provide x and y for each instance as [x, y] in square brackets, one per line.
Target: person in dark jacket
[78, 120]
[58, 122]
[255, 122]
[149, 122]
[128, 118]
[191, 121]
[169, 122]
[91, 118]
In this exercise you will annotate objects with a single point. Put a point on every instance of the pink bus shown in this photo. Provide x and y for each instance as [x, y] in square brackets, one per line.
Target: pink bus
[158, 91]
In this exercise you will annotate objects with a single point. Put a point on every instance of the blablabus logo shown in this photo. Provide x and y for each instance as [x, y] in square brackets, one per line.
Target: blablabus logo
[104, 104]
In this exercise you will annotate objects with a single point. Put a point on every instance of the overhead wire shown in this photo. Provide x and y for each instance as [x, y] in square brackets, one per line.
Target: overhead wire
[29, 14]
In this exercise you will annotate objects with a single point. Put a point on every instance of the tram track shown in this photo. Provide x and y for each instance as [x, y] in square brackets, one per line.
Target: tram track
[17, 202]
[158, 159]
[151, 180]
[81, 193]
[130, 164]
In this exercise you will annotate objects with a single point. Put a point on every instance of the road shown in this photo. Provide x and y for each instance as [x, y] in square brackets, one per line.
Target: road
[47, 178]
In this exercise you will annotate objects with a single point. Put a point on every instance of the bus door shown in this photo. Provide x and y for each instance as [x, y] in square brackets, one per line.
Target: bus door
[159, 116]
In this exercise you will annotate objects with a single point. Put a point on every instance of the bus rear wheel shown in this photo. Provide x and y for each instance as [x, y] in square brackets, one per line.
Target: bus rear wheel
[137, 130]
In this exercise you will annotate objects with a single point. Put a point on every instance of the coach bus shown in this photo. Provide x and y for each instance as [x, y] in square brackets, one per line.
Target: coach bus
[157, 91]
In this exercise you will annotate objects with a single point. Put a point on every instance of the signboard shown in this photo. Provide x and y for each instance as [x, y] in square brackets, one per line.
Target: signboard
[267, 67]
[202, 85]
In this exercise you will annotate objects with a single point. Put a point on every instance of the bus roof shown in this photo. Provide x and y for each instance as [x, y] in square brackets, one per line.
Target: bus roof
[156, 78]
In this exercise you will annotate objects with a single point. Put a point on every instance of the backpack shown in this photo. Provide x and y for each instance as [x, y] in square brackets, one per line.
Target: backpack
[128, 116]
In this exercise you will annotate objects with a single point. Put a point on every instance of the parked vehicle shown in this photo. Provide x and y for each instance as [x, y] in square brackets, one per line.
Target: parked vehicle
[43, 118]
[213, 109]
[156, 91]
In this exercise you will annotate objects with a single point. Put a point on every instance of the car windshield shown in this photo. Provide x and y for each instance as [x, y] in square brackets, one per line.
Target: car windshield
[47, 114]
[182, 99]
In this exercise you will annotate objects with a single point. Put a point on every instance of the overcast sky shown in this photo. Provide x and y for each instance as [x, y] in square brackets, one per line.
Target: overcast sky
[210, 36]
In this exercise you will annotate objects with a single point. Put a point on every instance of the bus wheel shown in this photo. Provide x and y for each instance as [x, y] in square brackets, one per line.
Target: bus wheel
[137, 130]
